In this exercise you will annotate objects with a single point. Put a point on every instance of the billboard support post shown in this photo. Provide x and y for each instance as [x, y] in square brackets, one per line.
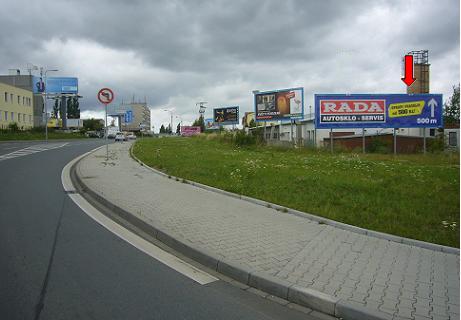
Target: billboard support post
[424, 140]
[44, 87]
[280, 129]
[331, 140]
[291, 128]
[264, 130]
[363, 140]
[395, 141]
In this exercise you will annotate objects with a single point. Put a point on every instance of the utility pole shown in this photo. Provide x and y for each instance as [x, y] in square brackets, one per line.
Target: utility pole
[201, 110]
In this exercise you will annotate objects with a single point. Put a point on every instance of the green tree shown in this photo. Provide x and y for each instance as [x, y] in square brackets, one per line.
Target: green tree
[73, 108]
[200, 123]
[451, 108]
[178, 128]
[252, 123]
[162, 129]
[92, 124]
[56, 108]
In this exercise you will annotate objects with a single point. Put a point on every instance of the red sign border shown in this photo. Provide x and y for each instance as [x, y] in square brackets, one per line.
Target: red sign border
[112, 98]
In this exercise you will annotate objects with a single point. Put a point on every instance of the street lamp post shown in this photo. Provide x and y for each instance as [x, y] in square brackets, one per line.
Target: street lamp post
[171, 119]
[45, 99]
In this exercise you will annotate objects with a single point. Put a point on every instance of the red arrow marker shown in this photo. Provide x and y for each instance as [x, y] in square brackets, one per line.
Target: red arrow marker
[408, 70]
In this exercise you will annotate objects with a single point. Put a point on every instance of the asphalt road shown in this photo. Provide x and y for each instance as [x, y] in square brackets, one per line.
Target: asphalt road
[58, 263]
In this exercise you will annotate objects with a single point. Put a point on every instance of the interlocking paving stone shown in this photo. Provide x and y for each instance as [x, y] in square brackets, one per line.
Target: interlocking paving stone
[348, 265]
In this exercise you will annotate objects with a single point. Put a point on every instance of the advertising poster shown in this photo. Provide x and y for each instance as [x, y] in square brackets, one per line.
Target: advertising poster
[55, 85]
[285, 104]
[227, 115]
[188, 131]
[378, 111]
[210, 125]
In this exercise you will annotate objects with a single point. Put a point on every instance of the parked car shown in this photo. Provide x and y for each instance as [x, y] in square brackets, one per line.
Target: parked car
[119, 136]
[131, 136]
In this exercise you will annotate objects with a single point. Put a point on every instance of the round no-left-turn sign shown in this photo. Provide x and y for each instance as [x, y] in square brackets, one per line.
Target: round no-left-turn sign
[105, 95]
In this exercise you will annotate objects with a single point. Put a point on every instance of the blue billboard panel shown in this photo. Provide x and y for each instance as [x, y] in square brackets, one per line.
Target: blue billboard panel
[284, 104]
[55, 85]
[129, 116]
[378, 111]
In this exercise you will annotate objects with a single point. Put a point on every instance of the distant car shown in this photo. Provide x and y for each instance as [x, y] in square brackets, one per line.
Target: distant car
[119, 136]
[131, 136]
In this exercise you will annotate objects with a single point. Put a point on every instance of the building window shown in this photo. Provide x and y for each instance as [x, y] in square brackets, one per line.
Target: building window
[452, 139]
[11, 97]
[19, 100]
[23, 100]
[0, 115]
[6, 96]
[19, 117]
[6, 115]
[12, 116]
[23, 118]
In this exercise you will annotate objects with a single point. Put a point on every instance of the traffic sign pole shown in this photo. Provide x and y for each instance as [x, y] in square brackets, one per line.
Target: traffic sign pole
[106, 134]
[105, 96]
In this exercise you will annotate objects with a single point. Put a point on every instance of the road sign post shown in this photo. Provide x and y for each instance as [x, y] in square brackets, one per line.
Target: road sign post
[106, 96]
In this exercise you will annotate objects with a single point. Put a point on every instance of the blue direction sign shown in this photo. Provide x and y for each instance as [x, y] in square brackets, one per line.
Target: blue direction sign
[378, 111]
[129, 116]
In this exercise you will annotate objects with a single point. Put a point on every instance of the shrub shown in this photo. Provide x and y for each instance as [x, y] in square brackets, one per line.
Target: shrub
[13, 126]
[377, 145]
[241, 138]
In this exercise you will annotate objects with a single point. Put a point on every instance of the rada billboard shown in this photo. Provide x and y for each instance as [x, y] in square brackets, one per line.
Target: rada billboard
[285, 104]
[378, 111]
[227, 115]
[55, 85]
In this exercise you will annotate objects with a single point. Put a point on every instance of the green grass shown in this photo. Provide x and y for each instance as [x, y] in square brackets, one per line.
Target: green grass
[34, 135]
[413, 196]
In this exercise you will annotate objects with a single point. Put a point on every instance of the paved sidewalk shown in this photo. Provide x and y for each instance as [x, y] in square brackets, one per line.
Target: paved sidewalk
[400, 281]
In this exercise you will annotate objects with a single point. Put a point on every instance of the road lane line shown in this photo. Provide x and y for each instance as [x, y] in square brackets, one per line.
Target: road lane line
[138, 242]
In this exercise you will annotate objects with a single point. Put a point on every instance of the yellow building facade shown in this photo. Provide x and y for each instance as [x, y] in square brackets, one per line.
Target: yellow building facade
[15, 106]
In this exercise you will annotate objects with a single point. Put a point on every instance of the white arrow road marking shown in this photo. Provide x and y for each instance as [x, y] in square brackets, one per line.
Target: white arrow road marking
[138, 242]
[432, 103]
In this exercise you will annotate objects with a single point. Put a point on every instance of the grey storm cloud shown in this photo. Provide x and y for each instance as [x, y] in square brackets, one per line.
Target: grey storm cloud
[174, 52]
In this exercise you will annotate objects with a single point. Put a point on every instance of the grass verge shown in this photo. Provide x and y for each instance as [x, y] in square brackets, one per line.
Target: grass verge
[413, 196]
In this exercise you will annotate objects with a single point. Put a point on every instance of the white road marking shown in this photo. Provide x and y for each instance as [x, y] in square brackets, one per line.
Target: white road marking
[138, 242]
[31, 150]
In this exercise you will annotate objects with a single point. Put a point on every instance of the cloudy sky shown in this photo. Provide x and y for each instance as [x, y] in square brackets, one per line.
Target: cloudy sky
[176, 53]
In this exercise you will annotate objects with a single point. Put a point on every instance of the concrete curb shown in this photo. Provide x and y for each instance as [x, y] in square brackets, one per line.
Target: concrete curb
[278, 287]
[305, 215]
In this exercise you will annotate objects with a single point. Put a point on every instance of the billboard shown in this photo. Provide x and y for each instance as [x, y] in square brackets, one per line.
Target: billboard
[227, 115]
[188, 131]
[210, 125]
[285, 104]
[55, 85]
[378, 111]
[120, 110]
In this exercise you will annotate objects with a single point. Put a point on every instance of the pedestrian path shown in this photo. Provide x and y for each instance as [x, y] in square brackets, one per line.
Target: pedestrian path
[396, 280]
[31, 150]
